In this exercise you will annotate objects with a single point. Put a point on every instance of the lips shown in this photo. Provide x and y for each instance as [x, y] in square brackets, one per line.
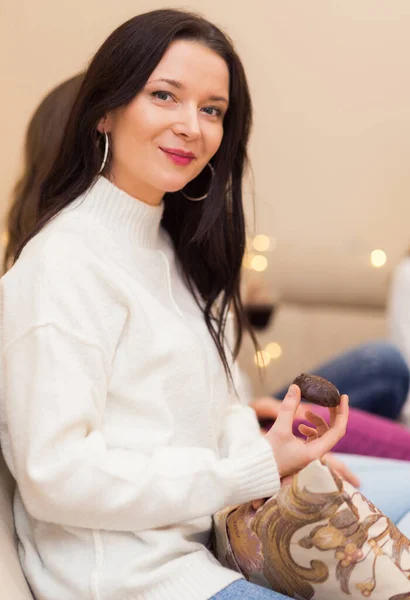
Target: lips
[179, 157]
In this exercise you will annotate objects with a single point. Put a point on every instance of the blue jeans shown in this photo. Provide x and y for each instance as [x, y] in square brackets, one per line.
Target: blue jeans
[384, 481]
[373, 375]
[243, 590]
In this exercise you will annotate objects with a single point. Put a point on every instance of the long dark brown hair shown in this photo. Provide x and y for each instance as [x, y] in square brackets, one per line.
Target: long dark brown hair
[43, 138]
[208, 236]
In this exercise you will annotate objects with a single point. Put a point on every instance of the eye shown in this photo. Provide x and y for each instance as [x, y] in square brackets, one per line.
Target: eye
[212, 111]
[161, 95]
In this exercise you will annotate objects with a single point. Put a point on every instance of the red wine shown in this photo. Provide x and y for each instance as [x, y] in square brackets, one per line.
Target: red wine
[259, 315]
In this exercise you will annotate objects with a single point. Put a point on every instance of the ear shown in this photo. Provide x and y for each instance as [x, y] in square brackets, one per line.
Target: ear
[104, 126]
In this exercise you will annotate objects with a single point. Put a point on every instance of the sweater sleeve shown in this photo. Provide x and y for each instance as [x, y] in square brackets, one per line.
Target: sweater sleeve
[55, 384]
[241, 431]
[398, 309]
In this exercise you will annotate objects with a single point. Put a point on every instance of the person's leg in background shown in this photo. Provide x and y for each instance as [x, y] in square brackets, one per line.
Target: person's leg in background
[386, 483]
[373, 375]
[404, 525]
[243, 590]
[367, 435]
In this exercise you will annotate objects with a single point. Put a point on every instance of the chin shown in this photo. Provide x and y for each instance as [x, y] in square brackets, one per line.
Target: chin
[175, 185]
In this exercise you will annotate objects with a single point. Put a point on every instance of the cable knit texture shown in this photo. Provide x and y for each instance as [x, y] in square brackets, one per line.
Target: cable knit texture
[117, 420]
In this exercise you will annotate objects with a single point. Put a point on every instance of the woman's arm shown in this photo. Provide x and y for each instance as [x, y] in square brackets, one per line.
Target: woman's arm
[55, 394]
[240, 428]
[61, 320]
[60, 325]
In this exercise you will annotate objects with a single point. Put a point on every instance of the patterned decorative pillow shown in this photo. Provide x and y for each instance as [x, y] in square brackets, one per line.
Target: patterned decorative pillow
[318, 538]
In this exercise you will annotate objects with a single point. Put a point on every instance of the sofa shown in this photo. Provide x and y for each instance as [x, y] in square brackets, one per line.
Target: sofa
[13, 585]
[325, 302]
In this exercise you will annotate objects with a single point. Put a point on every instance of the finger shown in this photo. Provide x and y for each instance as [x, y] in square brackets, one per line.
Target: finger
[287, 411]
[310, 432]
[342, 412]
[286, 480]
[333, 412]
[330, 438]
[343, 471]
[318, 421]
[306, 430]
[301, 411]
[332, 416]
[349, 476]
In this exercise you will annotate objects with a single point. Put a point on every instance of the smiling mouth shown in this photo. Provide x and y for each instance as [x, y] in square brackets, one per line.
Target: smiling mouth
[178, 157]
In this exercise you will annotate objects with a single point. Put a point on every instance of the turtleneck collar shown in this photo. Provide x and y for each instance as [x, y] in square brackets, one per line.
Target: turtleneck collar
[123, 214]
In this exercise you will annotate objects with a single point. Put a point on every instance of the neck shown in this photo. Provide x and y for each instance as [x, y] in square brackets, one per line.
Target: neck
[135, 188]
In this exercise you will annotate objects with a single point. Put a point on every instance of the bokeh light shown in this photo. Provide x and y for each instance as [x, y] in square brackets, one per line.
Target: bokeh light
[261, 243]
[274, 350]
[262, 359]
[378, 258]
[259, 262]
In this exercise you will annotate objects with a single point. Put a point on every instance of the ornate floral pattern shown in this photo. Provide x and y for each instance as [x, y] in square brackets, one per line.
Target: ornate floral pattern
[318, 538]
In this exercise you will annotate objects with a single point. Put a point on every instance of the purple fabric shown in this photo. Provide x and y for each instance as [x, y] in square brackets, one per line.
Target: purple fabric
[368, 435]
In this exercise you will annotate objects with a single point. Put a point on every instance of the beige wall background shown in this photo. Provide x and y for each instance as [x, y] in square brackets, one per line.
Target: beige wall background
[331, 88]
[331, 141]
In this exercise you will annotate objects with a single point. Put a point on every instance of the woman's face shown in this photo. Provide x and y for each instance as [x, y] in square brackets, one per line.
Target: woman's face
[168, 133]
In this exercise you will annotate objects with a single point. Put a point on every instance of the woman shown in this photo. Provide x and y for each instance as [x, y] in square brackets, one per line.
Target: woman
[119, 420]
[372, 375]
[43, 138]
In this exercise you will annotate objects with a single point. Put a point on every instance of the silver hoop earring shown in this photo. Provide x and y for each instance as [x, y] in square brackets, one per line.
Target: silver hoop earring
[106, 148]
[205, 195]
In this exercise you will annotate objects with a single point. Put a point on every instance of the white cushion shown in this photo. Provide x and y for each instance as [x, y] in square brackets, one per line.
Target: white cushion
[13, 585]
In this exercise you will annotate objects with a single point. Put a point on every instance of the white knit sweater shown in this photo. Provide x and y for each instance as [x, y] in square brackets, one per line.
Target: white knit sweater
[116, 417]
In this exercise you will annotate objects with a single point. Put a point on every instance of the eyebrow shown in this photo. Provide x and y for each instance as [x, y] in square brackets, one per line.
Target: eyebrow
[180, 86]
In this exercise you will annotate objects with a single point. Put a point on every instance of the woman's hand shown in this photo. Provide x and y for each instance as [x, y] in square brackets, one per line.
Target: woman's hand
[338, 423]
[312, 433]
[334, 463]
[293, 454]
[267, 409]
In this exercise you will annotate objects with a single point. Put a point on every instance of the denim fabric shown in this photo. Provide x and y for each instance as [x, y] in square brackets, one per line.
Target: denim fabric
[243, 590]
[374, 375]
[386, 483]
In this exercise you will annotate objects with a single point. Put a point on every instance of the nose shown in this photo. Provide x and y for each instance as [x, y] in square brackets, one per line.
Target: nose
[187, 123]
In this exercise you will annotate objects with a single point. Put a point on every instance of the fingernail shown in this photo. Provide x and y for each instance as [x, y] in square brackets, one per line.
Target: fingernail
[292, 390]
